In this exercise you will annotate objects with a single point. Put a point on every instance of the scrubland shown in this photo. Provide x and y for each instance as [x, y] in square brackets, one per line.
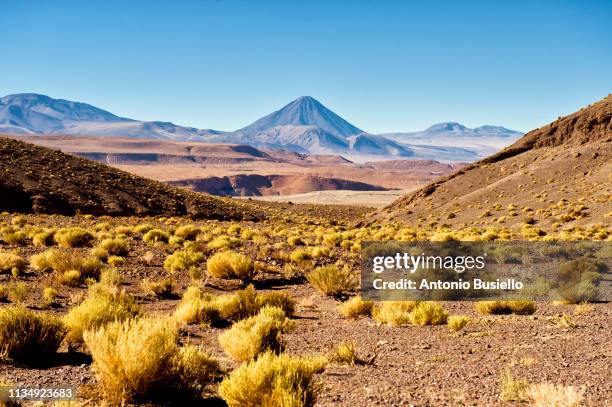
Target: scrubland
[173, 311]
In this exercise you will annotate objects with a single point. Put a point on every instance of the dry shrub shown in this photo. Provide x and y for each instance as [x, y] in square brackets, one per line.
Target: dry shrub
[230, 265]
[187, 232]
[162, 288]
[156, 235]
[248, 338]
[513, 389]
[28, 336]
[139, 359]
[223, 242]
[506, 307]
[278, 299]
[115, 261]
[299, 255]
[272, 380]
[457, 322]
[73, 237]
[346, 354]
[551, 395]
[116, 247]
[12, 263]
[49, 295]
[428, 313]
[356, 307]
[72, 268]
[332, 280]
[4, 292]
[103, 304]
[18, 292]
[183, 260]
[14, 238]
[44, 238]
[393, 313]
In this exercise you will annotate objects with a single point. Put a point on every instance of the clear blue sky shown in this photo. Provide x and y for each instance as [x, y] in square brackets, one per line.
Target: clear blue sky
[382, 65]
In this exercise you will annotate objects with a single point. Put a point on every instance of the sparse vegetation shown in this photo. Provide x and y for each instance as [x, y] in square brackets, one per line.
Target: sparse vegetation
[506, 307]
[28, 336]
[356, 307]
[272, 380]
[12, 263]
[457, 322]
[73, 237]
[333, 280]
[102, 305]
[248, 338]
[139, 359]
[230, 265]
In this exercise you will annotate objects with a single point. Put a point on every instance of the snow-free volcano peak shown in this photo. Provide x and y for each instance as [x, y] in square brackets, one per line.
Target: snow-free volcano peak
[304, 111]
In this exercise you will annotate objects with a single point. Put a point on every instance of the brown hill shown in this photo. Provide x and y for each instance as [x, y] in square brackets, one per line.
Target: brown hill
[41, 180]
[556, 175]
[261, 185]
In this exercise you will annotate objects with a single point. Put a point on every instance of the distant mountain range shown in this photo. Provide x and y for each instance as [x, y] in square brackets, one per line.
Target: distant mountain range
[304, 126]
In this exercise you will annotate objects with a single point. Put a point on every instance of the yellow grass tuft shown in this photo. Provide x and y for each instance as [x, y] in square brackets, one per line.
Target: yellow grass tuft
[139, 359]
[272, 380]
[12, 263]
[428, 313]
[457, 322]
[393, 313]
[102, 305]
[551, 395]
[356, 307]
[333, 280]
[230, 265]
[28, 336]
[73, 237]
[248, 338]
[506, 307]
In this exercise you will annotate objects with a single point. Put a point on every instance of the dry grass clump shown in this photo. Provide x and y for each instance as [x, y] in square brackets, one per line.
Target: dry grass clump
[356, 307]
[183, 260]
[187, 232]
[162, 288]
[49, 295]
[4, 293]
[230, 265]
[346, 354]
[332, 280]
[44, 238]
[457, 322]
[551, 395]
[14, 238]
[278, 299]
[28, 336]
[103, 304]
[513, 389]
[73, 237]
[139, 359]
[223, 242]
[197, 307]
[428, 313]
[156, 235]
[12, 263]
[299, 255]
[272, 380]
[506, 307]
[72, 268]
[116, 247]
[248, 338]
[393, 313]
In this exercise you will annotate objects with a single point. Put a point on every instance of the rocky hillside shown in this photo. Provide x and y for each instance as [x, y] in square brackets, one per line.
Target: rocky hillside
[558, 175]
[40, 180]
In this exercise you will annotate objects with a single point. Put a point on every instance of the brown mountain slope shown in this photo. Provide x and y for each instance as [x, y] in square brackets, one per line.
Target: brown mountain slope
[40, 180]
[558, 175]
